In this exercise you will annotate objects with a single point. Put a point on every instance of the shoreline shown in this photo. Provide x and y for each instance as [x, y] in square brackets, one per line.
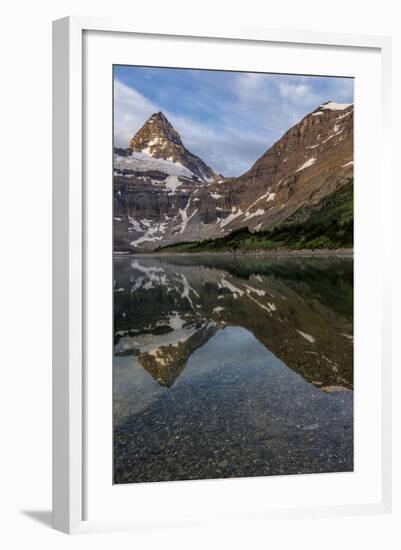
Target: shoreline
[323, 252]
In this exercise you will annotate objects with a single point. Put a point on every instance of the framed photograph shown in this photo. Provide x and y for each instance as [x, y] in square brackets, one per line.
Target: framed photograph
[220, 298]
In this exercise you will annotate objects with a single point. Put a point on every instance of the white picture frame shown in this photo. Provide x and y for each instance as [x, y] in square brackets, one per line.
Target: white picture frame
[70, 261]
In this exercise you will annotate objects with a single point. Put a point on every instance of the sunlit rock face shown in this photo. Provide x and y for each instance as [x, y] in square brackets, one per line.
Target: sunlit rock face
[163, 194]
[158, 139]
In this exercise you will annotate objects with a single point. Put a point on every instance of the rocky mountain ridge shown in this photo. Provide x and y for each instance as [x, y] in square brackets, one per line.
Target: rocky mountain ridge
[163, 194]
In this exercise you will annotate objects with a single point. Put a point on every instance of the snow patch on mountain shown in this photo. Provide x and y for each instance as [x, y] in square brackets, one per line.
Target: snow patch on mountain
[307, 337]
[142, 162]
[151, 233]
[344, 115]
[173, 183]
[306, 164]
[226, 284]
[184, 215]
[258, 212]
[265, 307]
[135, 224]
[332, 105]
[337, 130]
[257, 291]
[230, 218]
[268, 196]
[155, 141]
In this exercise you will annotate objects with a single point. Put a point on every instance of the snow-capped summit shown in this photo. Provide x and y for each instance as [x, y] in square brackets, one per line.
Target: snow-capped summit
[159, 139]
[332, 105]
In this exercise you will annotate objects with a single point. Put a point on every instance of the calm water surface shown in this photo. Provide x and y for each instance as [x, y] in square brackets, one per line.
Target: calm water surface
[232, 366]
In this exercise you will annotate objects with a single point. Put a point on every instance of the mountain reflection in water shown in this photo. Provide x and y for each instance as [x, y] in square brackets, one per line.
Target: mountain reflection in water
[232, 366]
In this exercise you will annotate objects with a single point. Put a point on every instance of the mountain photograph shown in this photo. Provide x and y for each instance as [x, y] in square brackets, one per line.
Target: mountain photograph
[233, 274]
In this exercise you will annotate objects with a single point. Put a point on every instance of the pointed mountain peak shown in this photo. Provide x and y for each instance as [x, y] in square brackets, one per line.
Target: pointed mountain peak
[160, 115]
[159, 118]
[154, 135]
[159, 139]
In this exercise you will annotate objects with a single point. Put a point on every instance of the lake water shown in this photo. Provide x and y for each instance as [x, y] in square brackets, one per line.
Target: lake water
[232, 366]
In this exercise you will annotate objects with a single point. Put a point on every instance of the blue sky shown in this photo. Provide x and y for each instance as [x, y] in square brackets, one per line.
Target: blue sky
[229, 119]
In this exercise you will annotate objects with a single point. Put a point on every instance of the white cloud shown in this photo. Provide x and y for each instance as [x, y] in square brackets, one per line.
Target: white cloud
[229, 150]
[293, 91]
[131, 110]
[249, 86]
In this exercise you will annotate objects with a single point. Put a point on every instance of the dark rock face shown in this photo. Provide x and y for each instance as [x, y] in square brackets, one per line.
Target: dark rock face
[165, 195]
